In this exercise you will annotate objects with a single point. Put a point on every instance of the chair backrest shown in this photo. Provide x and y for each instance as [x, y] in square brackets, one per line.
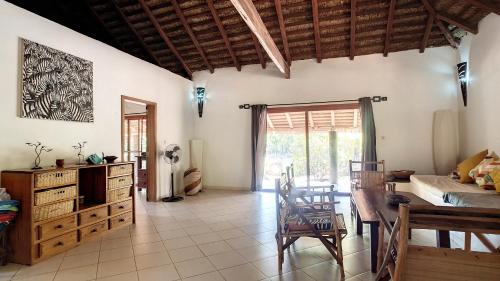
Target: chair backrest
[367, 174]
[430, 263]
[282, 188]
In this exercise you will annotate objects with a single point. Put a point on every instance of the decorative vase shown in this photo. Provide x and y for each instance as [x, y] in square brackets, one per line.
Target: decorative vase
[192, 181]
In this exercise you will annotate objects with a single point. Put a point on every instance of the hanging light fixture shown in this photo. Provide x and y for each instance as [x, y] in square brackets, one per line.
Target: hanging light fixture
[462, 77]
[200, 98]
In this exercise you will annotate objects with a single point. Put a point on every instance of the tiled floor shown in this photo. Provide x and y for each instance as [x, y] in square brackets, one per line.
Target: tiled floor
[216, 235]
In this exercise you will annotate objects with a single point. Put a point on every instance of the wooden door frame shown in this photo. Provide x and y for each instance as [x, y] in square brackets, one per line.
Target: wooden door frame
[151, 192]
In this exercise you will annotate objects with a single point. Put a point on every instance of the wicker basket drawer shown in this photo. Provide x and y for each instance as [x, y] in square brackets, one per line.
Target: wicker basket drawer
[53, 210]
[118, 194]
[56, 178]
[56, 194]
[120, 182]
[58, 244]
[54, 228]
[93, 215]
[120, 220]
[94, 230]
[120, 170]
[120, 207]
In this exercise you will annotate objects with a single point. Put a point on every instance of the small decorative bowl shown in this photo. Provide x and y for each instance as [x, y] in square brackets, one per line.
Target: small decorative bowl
[396, 199]
[110, 159]
[402, 174]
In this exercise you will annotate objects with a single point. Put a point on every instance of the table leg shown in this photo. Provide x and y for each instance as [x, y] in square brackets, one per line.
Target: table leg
[374, 245]
[443, 238]
[359, 224]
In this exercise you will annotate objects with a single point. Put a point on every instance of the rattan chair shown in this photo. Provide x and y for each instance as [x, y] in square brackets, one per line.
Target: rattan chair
[404, 262]
[366, 175]
[297, 217]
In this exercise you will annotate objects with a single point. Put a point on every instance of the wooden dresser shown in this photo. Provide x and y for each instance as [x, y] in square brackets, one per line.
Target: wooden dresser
[52, 219]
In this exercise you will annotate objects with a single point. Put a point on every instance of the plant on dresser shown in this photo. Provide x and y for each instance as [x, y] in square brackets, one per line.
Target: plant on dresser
[52, 219]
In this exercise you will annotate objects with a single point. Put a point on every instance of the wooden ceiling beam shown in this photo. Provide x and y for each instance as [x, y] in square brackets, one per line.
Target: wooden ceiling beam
[390, 24]
[101, 22]
[134, 31]
[446, 32]
[165, 37]
[427, 33]
[252, 18]
[284, 38]
[289, 120]
[457, 22]
[189, 31]
[332, 118]
[317, 37]
[223, 33]
[269, 122]
[258, 49]
[485, 5]
[353, 30]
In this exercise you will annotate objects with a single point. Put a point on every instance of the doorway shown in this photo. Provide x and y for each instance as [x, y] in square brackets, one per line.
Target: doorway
[319, 141]
[138, 142]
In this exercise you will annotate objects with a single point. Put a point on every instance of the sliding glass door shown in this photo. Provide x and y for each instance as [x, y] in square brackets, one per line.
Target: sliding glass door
[318, 140]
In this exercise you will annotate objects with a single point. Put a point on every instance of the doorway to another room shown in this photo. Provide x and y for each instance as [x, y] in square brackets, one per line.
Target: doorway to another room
[319, 141]
[139, 142]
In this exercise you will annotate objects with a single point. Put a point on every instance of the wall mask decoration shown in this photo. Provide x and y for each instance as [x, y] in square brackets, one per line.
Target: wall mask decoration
[462, 77]
[200, 98]
[55, 85]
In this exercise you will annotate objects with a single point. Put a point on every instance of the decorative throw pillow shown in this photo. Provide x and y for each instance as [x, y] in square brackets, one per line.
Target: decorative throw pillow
[494, 176]
[484, 179]
[474, 173]
[468, 164]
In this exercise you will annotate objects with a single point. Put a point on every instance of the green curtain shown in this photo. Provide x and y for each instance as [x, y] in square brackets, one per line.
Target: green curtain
[369, 137]
[259, 134]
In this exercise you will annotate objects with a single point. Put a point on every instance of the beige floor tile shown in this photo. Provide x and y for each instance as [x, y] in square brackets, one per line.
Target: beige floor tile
[269, 266]
[325, 271]
[148, 248]
[214, 248]
[79, 260]
[183, 254]
[367, 276]
[198, 229]
[303, 258]
[357, 263]
[219, 226]
[77, 274]
[116, 267]
[256, 253]
[194, 267]
[171, 234]
[116, 254]
[206, 238]
[242, 242]
[130, 276]
[212, 276]
[152, 260]
[145, 238]
[293, 276]
[227, 259]
[38, 277]
[85, 248]
[116, 243]
[231, 233]
[117, 234]
[8, 271]
[164, 273]
[177, 243]
[246, 272]
[48, 266]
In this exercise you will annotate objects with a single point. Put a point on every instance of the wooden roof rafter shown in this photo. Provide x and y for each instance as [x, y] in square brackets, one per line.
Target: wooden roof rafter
[427, 33]
[390, 23]
[223, 33]
[189, 31]
[317, 36]
[352, 50]
[284, 38]
[485, 5]
[446, 32]
[165, 37]
[258, 49]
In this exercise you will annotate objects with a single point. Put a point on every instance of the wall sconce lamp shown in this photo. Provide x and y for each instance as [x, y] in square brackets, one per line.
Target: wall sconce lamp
[462, 77]
[200, 98]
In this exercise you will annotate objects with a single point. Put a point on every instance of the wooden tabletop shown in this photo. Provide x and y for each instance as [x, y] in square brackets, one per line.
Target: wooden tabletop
[369, 201]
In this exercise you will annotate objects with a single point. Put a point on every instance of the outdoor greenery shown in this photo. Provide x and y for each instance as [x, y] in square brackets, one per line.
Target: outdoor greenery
[284, 148]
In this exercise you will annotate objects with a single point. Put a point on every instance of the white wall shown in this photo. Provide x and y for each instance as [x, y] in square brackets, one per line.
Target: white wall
[115, 74]
[416, 85]
[479, 120]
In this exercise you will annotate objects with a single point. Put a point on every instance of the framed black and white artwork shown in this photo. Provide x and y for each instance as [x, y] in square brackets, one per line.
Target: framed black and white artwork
[55, 85]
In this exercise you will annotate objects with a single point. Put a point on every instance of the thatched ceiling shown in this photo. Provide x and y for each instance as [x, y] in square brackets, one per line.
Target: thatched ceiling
[196, 29]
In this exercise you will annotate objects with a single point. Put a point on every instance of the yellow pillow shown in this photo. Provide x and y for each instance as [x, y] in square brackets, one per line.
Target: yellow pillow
[495, 175]
[469, 164]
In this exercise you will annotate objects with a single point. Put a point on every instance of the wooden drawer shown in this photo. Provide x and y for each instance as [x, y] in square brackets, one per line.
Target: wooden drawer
[120, 207]
[120, 182]
[123, 169]
[119, 194]
[120, 220]
[93, 215]
[54, 228]
[94, 230]
[56, 178]
[58, 244]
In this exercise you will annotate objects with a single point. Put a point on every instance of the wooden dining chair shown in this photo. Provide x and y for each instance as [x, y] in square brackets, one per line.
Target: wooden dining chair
[365, 174]
[404, 262]
[297, 217]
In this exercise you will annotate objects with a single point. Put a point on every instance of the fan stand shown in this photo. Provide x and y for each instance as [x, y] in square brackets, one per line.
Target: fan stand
[172, 197]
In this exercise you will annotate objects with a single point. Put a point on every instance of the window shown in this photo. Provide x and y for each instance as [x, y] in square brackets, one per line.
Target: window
[135, 136]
